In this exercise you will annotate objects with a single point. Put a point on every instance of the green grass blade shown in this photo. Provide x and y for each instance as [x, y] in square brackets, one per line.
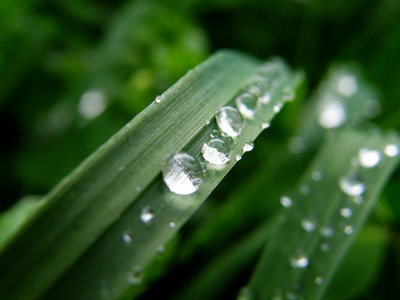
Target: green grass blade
[75, 242]
[300, 258]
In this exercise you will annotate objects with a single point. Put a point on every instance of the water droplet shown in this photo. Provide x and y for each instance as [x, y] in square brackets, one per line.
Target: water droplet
[265, 124]
[248, 146]
[325, 247]
[172, 224]
[319, 280]
[332, 114]
[288, 94]
[92, 104]
[245, 294]
[369, 158]
[126, 237]
[257, 86]
[216, 152]
[358, 199]
[137, 189]
[147, 214]
[265, 97]
[347, 85]
[277, 108]
[316, 176]
[391, 150]
[299, 262]
[133, 279]
[286, 201]
[182, 174]
[238, 157]
[346, 212]
[327, 231]
[160, 249]
[121, 168]
[351, 185]
[247, 105]
[308, 224]
[305, 189]
[296, 145]
[371, 108]
[291, 296]
[158, 99]
[229, 121]
[348, 230]
[215, 134]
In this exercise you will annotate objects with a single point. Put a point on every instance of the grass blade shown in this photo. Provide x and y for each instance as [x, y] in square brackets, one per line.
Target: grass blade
[99, 206]
[329, 207]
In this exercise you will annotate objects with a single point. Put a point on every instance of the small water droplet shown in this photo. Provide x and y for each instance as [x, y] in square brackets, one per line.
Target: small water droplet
[277, 108]
[332, 113]
[347, 85]
[215, 134]
[351, 185]
[92, 104]
[229, 121]
[160, 249]
[325, 247]
[308, 224]
[305, 189]
[158, 99]
[369, 158]
[348, 230]
[291, 296]
[316, 176]
[147, 214]
[371, 108]
[286, 201]
[121, 168]
[327, 231]
[288, 94]
[299, 262]
[238, 157]
[391, 150]
[358, 199]
[182, 174]
[138, 189]
[346, 212]
[265, 124]
[319, 280]
[133, 279]
[247, 105]
[248, 146]
[172, 224]
[245, 294]
[257, 85]
[216, 152]
[126, 237]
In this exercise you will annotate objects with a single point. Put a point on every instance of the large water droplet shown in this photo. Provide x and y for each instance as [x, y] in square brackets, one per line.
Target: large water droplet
[286, 201]
[299, 262]
[369, 158]
[332, 114]
[182, 174]
[126, 237]
[147, 214]
[247, 105]
[248, 146]
[229, 121]
[347, 85]
[351, 185]
[216, 152]
[346, 212]
[391, 150]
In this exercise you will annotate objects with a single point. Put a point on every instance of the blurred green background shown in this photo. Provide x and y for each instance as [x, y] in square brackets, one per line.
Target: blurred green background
[74, 72]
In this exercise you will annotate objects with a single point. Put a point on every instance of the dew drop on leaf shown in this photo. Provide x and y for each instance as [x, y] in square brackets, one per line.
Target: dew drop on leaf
[248, 146]
[247, 105]
[346, 212]
[126, 237]
[183, 174]
[308, 224]
[351, 185]
[391, 150]
[319, 280]
[299, 262]
[229, 121]
[286, 201]
[332, 113]
[369, 158]
[348, 230]
[147, 214]
[216, 152]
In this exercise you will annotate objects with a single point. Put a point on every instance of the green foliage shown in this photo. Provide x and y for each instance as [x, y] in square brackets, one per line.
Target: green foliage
[75, 72]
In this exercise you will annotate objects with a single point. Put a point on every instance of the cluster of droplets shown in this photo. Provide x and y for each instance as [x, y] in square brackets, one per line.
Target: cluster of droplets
[337, 95]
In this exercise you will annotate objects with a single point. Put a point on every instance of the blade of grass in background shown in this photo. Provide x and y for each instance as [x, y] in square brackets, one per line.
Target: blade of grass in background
[325, 213]
[104, 211]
